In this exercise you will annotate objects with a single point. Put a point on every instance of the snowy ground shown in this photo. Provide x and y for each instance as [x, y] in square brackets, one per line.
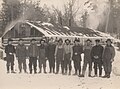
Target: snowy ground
[52, 81]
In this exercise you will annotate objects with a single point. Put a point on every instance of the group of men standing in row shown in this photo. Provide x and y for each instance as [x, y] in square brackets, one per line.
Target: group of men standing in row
[61, 53]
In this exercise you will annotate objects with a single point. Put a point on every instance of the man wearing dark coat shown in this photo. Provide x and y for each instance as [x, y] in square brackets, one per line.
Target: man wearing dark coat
[96, 55]
[108, 58]
[10, 51]
[51, 55]
[21, 54]
[42, 56]
[76, 57]
[33, 55]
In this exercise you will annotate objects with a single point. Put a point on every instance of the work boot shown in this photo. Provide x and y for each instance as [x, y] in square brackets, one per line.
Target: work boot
[81, 75]
[75, 72]
[69, 73]
[12, 71]
[45, 71]
[8, 72]
[30, 72]
[105, 76]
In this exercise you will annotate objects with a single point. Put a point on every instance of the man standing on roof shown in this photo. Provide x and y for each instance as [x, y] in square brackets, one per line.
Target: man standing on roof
[10, 51]
[87, 58]
[51, 55]
[33, 55]
[76, 56]
[108, 58]
[42, 56]
[21, 54]
[96, 55]
[67, 56]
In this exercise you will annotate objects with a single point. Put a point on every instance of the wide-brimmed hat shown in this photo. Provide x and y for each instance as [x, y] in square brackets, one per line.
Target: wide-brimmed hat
[109, 40]
[33, 40]
[10, 39]
[97, 40]
[20, 39]
[42, 40]
[76, 40]
[67, 40]
[88, 40]
[60, 40]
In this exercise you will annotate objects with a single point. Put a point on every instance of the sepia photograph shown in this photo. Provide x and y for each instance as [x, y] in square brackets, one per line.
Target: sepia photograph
[59, 44]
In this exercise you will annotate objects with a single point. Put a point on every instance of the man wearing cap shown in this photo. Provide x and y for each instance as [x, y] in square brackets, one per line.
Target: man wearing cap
[42, 56]
[96, 55]
[87, 58]
[51, 55]
[59, 56]
[21, 54]
[76, 56]
[10, 51]
[33, 54]
[108, 58]
[67, 56]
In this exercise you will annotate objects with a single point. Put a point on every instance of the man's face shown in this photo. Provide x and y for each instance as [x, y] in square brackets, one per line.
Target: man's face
[60, 42]
[88, 42]
[67, 42]
[76, 43]
[51, 41]
[33, 42]
[108, 43]
[10, 42]
[20, 42]
[42, 42]
[97, 43]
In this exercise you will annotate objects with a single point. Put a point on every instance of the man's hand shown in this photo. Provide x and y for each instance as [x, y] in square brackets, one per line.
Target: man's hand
[112, 60]
[16, 58]
[11, 53]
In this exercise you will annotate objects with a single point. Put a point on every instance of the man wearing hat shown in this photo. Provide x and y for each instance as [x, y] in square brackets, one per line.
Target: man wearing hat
[59, 56]
[67, 56]
[10, 51]
[76, 56]
[96, 55]
[21, 54]
[108, 58]
[42, 56]
[87, 58]
[33, 54]
[51, 55]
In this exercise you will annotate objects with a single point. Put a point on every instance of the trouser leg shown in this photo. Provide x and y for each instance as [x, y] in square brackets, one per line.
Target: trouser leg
[75, 66]
[62, 66]
[79, 67]
[40, 65]
[70, 67]
[90, 68]
[84, 67]
[57, 66]
[20, 65]
[109, 67]
[100, 67]
[50, 65]
[44, 65]
[12, 65]
[105, 66]
[30, 64]
[24, 65]
[35, 64]
[8, 66]
[53, 65]
[95, 67]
